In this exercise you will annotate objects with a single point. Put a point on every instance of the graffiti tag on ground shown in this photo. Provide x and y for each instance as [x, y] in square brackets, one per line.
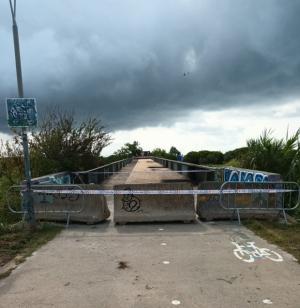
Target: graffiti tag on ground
[249, 252]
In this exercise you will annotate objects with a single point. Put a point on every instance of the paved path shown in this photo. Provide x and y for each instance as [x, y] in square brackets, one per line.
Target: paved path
[79, 268]
[164, 265]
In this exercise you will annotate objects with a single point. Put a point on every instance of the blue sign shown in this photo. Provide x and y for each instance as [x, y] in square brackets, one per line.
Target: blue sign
[21, 112]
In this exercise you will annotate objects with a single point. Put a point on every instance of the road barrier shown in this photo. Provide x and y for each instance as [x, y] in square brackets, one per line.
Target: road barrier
[61, 203]
[175, 201]
[266, 198]
[151, 205]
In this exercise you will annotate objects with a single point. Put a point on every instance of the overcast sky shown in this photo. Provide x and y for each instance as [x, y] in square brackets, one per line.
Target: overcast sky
[197, 74]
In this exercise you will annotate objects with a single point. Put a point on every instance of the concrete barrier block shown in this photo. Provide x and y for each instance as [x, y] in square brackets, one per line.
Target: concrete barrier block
[151, 208]
[208, 206]
[94, 207]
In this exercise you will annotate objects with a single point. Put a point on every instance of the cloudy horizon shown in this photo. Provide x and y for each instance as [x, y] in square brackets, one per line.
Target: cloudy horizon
[189, 73]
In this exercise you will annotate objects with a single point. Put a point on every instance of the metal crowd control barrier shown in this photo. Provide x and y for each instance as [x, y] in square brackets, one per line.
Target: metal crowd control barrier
[233, 196]
[62, 192]
[259, 196]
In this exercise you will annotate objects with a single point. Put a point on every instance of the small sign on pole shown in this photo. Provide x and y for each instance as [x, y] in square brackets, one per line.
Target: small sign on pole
[21, 112]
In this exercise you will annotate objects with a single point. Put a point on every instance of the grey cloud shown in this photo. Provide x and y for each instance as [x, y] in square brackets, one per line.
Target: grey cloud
[144, 63]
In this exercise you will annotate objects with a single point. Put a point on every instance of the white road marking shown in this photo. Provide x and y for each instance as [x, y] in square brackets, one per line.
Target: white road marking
[267, 301]
[249, 253]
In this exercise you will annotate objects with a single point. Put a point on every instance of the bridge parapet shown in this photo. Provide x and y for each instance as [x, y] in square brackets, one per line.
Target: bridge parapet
[218, 174]
[94, 176]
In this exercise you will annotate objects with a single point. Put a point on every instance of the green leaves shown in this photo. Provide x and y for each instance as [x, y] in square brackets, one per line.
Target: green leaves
[275, 155]
[128, 150]
[62, 144]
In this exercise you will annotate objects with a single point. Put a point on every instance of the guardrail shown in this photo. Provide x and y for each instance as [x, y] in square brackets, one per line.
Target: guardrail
[264, 196]
[206, 173]
[97, 175]
[59, 178]
[218, 174]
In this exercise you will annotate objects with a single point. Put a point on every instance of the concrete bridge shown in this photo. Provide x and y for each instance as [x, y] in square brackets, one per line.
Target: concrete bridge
[201, 264]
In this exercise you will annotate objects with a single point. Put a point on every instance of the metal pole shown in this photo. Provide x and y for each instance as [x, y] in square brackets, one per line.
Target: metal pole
[27, 201]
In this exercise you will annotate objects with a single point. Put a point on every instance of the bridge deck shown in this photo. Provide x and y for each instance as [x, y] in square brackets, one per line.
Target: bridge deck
[143, 171]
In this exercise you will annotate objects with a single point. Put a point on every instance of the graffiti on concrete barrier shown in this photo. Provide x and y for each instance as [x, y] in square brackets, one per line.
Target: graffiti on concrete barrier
[69, 197]
[235, 175]
[49, 198]
[249, 253]
[45, 198]
[130, 202]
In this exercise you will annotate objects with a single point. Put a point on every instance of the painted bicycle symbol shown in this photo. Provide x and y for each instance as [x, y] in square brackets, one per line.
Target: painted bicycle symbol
[249, 253]
[130, 202]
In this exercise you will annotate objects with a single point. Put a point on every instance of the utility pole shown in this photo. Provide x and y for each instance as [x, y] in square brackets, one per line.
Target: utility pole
[27, 201]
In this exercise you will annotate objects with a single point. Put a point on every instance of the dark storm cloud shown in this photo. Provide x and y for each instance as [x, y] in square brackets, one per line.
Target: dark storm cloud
[143, 63]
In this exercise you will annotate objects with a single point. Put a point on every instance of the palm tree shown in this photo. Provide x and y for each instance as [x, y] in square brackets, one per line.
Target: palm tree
[275, 155]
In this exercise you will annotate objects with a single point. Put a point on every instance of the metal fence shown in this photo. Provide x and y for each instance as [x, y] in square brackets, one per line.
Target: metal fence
[46, 202]
[255, 197]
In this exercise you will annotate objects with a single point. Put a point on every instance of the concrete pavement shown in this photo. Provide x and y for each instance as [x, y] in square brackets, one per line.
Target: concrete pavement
[162, 265]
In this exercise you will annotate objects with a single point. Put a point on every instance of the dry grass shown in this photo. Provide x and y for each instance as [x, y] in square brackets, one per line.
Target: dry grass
[285, 236]
[17, 241]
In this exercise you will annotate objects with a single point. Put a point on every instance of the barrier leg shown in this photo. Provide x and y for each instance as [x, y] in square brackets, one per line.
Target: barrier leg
[68, 220]
[284, 216]
[238, 215]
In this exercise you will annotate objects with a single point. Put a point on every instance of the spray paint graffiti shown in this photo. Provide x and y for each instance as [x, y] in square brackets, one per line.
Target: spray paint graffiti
[130, 202]
[49, 198]
[65, 179]
[235, 175]
[249, 253]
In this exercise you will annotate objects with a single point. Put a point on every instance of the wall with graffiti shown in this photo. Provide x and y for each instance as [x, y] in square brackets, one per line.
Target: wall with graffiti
[236, 175]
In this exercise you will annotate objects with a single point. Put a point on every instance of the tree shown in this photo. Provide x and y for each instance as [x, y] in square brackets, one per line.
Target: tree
[11, 161]
[174, 152]
[192, 157]
[62, 144]
[236, 154]
[158, 152]
[275, 155]
[211, 157]
[129, 149]
[204, 157]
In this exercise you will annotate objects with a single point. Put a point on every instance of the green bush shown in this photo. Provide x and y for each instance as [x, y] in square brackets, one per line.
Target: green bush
[237, 154]
[275, 155]
[204, 157]
[172, 154]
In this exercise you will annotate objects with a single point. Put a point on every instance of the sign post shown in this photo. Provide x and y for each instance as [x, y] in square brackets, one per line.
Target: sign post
[20, 113]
